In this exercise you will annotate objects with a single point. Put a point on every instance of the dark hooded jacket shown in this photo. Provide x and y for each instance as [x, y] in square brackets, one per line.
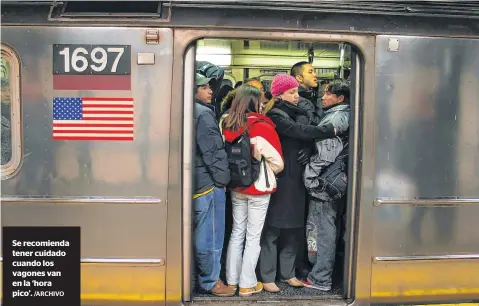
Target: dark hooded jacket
[287, 205]
[307, 102]
[211, 162]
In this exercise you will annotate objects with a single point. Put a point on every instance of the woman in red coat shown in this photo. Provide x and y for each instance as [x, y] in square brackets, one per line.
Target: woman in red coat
[250, 204]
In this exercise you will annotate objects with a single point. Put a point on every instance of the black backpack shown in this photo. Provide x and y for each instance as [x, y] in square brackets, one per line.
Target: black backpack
[334, 181]
[244, 168]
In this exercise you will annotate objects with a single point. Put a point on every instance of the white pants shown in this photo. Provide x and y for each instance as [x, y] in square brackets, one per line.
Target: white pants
[249, 213]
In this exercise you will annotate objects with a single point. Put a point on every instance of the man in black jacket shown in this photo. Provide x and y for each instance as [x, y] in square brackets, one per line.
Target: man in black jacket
[211, 176]
[304, 73]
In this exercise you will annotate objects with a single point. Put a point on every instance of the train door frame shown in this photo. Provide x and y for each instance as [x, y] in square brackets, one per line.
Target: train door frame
[358, 270]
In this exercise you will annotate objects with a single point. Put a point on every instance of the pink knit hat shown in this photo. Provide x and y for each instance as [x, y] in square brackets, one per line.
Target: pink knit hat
[282, 83]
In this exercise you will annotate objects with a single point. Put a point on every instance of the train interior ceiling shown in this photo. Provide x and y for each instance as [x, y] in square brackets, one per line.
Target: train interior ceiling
[245, 59]
[262, 59]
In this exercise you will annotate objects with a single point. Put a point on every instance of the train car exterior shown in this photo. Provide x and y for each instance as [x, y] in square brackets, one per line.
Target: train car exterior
[413, 197]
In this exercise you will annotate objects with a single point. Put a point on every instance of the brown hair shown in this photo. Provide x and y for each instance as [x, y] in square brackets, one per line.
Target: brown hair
[269, 105]
[246, 99]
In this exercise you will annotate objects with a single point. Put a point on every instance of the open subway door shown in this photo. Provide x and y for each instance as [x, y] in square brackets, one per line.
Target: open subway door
[331, 58]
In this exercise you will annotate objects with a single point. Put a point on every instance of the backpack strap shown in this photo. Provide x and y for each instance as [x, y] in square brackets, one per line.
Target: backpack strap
[263, 160]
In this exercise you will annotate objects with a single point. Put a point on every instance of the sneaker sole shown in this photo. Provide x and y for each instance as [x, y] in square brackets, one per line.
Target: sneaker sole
[286, 282]
[324, 289]
[250, 293]
[223, 294]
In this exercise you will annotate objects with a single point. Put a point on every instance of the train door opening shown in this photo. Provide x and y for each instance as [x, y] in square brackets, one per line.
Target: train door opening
[231, 63]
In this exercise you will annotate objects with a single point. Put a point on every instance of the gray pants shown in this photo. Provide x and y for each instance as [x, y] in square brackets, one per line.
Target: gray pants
[324, 215]
[288, 240]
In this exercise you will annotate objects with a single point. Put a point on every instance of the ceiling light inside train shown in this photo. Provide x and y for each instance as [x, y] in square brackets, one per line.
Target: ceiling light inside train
[220, 56]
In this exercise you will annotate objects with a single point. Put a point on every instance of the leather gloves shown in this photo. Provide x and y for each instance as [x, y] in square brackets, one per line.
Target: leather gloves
[304, 155]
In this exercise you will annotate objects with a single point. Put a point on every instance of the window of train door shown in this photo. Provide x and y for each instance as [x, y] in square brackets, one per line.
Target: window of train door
[10, 113]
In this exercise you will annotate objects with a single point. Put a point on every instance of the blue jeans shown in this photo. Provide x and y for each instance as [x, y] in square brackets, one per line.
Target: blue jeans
[208, 234]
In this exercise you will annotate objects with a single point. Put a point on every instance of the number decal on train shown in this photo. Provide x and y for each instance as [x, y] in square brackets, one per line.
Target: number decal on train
[92, 59]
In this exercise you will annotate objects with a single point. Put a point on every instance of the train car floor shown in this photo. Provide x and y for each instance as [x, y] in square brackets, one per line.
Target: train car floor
[243, 302]
[287, 292]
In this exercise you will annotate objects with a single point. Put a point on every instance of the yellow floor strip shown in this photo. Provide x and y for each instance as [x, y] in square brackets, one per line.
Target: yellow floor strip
[458, 304]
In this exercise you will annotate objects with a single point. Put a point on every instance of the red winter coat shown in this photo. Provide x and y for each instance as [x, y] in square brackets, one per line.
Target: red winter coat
[264, 142]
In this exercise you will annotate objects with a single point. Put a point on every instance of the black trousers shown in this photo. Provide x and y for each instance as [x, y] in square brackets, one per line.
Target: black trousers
[302, 260]
[286, 240]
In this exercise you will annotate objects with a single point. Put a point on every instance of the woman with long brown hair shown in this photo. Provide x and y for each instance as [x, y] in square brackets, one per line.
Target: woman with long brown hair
[250, 204]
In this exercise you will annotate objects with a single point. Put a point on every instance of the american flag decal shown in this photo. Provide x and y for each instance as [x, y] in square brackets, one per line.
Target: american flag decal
[93, 119]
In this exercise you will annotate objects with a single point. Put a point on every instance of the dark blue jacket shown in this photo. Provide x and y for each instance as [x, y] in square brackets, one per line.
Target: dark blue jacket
[211, 162]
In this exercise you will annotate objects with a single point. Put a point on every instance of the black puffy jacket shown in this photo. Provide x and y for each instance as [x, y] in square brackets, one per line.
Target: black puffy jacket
[307, 102]
[287, 205]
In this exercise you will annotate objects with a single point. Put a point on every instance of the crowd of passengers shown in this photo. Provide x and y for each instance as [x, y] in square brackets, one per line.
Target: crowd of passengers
[299, 180]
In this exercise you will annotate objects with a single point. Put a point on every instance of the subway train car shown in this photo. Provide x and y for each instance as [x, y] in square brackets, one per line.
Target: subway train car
[124, 173]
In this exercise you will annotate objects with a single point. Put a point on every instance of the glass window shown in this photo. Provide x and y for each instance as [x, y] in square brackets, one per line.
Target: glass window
[10, 112]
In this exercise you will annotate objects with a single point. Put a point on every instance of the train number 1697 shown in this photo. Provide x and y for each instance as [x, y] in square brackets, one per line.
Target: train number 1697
[91, 59]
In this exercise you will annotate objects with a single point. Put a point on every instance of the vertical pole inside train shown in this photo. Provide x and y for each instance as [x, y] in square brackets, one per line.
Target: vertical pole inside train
[350, 253]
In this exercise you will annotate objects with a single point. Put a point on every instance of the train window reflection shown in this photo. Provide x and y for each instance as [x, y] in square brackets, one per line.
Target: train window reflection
[10, 112]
